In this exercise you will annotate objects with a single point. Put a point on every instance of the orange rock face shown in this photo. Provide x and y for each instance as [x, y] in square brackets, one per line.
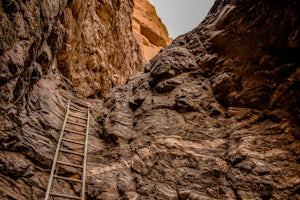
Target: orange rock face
[149, 30]
[92, 57]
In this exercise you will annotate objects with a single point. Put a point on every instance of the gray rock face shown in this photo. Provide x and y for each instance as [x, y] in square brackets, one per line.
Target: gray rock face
[215, 115]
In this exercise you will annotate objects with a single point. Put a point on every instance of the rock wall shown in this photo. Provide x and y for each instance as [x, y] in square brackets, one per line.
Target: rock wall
[99, 50]
[91, 40]
[215, 115]
[51, 51]
[31, 99]
[148, 29]
[28, 45]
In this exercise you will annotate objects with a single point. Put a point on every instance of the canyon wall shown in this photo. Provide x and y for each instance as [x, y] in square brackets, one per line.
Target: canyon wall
[91, 41]
[99, 49]
[52, 51]
[215, 115]
[148, 29]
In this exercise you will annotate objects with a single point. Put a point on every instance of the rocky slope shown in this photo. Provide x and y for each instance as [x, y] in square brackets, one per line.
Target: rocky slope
[215, 115]
[148, 29]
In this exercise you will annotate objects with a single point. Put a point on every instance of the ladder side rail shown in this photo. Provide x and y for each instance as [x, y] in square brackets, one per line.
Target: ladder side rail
[56, 153]
[85, 155]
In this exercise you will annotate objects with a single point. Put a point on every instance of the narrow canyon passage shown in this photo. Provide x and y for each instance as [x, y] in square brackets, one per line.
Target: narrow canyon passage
[213, 115]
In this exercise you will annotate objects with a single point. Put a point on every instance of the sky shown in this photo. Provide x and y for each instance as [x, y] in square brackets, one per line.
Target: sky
[181, 16]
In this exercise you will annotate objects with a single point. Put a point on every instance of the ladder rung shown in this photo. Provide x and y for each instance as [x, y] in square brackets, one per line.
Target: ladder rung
[83, 125]
[67, 179]
[77, 110]
[65, 196]
[84, 118]
[73, 141]
[69, 164]
[78, 107]
[73, 152]
[75, 132]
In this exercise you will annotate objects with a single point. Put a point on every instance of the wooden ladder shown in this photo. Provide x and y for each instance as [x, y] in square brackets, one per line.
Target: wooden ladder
[72, 144]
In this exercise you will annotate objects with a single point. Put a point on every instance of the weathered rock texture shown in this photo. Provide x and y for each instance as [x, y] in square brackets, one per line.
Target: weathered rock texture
[99, 49]
[215, 115]
[148, 29]
[49, 51]
[92, 41]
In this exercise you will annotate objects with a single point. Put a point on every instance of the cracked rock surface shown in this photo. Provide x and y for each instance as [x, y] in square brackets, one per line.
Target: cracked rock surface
[215, 115]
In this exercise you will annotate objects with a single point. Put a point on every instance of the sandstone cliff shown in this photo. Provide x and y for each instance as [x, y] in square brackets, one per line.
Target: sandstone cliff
[92, 41]
[99, 50]
[215, 115]
[148, 28]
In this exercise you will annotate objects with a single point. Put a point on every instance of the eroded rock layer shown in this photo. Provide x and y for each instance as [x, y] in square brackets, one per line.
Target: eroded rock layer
[33, 95]
[47, 51]
[148, 29]
[215, 115]
[92, 41]
[99, 49]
